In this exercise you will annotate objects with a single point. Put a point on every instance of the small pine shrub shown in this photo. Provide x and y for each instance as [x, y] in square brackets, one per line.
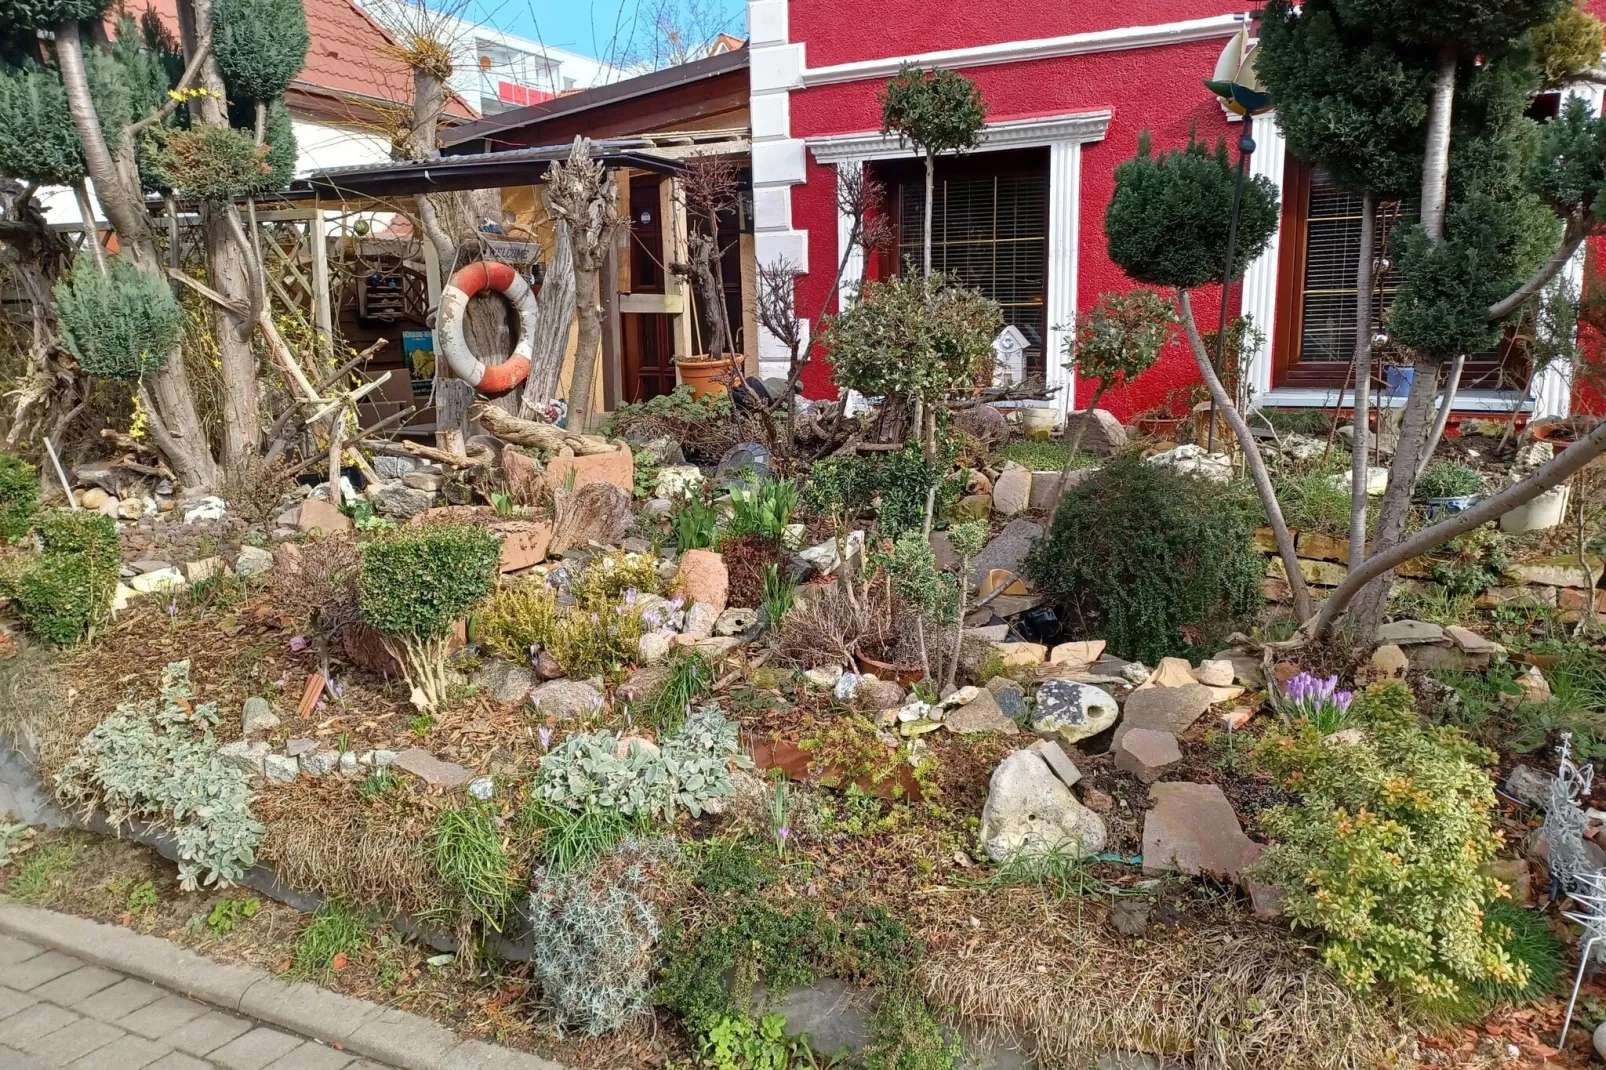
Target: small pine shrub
[216, 163]
[1139, 553]
[120, 325]
[45, 14]
[156, 761]
[79, 531]
[1385, 854]
[261, 45]
[19, 497]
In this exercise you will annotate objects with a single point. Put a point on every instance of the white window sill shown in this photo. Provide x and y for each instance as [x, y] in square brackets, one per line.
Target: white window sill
[1285, 397]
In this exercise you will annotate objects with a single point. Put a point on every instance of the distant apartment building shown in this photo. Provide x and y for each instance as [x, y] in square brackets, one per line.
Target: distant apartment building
[493, 70]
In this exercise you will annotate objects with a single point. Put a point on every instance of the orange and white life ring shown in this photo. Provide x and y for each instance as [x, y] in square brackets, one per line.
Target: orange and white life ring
[486, 275]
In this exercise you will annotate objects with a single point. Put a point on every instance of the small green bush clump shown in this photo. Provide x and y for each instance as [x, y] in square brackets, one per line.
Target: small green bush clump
[66, 589]
[414, 584]
[611, 575]
[121, 324]
[516, 619]
[19, 497]
[1448, 479]
[1386, 853]
[1138, 553]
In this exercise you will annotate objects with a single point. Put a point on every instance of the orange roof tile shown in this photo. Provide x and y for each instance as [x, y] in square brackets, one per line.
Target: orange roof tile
[351, 55]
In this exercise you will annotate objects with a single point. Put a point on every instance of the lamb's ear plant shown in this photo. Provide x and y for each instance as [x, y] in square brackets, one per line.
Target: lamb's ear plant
[414, 585]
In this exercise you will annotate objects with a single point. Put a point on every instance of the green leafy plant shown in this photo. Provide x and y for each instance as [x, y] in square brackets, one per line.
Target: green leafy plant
[1474, 562]
[601, 642]
[732, 867]
[742, 1042]
[515, 620]
[1138, 553]
[19, 497]
[780, 594]
[1448, 479]
[904, 1035]
[571, 840]
[44, 873]
[502, 503]
[1040, 456]
[690, 768]
[66, 590]
[690, 678]
[696, 526]
[937, 111]
[472, 862]
[414, 584]
[227, 915]
[261, 45]
[611, 575]
[141, 897]
[763, 510]
[1384, 854]
[1314, 500]
[1116, 342]
[156, 761]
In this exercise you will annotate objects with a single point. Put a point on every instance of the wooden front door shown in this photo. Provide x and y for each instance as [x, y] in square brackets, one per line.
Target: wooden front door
[649, 367]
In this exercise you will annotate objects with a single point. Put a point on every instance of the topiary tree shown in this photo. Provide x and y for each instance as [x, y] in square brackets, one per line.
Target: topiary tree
[1139, 555]
[414, 585]
[19, 497]
[1120, 339]
[121, 323]
[261, 45]
[936, 112]
[66, 590]
[1168, 226]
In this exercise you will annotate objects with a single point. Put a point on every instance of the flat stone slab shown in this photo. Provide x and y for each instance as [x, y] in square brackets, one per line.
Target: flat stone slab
[1404, 632]
[430, 769]
[1145, 753]
[1058, 761]
[981, 714]
[1192, 829]
[1164, 709]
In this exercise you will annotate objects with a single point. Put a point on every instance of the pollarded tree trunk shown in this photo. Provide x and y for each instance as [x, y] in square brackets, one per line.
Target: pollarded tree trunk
[229, 273]
[587, 340]
[175, 423]
[555, 305]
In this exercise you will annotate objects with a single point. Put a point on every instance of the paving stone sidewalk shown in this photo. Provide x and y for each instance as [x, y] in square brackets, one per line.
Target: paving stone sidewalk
[59, 1011]
[81, 994]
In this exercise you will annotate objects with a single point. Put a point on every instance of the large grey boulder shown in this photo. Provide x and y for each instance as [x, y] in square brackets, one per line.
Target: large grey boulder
[1072, 711]
[567, 699]
[504, 681]
[401, 501]
[1030, 810]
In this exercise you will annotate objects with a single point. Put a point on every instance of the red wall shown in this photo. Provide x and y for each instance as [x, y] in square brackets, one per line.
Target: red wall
[1159, 89]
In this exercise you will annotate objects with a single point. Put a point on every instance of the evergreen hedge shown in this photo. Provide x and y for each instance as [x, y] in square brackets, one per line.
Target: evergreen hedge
[418, 582]
[19, 497]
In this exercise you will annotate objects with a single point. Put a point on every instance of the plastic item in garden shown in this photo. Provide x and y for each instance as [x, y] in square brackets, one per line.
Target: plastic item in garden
[742, 459]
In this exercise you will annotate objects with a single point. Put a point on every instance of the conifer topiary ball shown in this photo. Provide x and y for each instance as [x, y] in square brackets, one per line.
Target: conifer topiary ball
[261, 45]
[45, 14]
[38, 142]
[120, 325]
[278, 135]
[216, 163]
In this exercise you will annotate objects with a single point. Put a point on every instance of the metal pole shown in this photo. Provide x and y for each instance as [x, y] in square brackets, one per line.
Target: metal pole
[1246, 145]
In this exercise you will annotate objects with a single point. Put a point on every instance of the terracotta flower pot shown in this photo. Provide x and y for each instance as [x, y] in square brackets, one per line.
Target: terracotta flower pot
[709, 375]
[907, 675]
[1161, 427]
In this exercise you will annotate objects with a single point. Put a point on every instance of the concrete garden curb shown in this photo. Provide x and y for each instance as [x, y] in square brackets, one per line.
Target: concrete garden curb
[406, 1041]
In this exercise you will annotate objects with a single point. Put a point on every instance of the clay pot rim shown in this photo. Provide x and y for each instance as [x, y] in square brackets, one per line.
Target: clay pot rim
[906, 674]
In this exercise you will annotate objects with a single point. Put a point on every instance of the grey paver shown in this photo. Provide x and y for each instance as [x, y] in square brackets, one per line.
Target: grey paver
[13, 951]
[208, 1032]
[166, 1015]
[39, 969]
[312, 1057]
[127, 1053]
[177, 1060]
[121, 999]
[12, 1059]
[72, 1042]
[398, 1037]
[70, 989]
[12, 1001]
[255, 1050]
[36, 1021]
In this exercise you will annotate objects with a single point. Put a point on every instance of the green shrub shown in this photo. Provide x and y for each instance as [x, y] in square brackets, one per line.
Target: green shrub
[335, 929]
[1317, 499]
[1385, 854]
[514, 620]
[156, 760]
[261, 45]
[59, 597]
[1448, 479]
[216, 163]
[79, 531]
[414, 584]
[120, 325]
[610, 575]
[598, 642]
[19, 497]
[1138, 553]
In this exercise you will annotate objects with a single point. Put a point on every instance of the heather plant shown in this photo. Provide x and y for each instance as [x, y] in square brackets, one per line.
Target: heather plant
[516, 620]
[1385, 854]
[19, 497]
[156, 761]
[414, 585]
[610, 576]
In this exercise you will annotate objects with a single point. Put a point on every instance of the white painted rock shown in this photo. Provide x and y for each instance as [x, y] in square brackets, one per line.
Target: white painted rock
[1030, 810]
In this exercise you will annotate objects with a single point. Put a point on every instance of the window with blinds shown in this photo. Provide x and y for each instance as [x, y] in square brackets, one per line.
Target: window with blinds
[1332, 257]
[989, 229]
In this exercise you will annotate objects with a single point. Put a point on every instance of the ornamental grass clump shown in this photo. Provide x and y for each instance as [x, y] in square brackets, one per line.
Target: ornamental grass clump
[1385, 854]
[414, 585]
[1145, 557]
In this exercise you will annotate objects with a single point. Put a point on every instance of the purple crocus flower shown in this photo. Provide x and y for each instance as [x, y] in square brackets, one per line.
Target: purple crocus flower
[631, 594]
[546, 736]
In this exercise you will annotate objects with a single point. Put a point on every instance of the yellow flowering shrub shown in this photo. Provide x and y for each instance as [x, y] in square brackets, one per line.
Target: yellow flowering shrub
[1385, 855]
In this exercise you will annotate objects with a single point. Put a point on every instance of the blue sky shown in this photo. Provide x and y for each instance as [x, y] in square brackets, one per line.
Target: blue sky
[604, 28]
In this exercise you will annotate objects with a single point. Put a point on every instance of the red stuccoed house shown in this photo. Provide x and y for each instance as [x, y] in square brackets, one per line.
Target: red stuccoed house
[1069, 86]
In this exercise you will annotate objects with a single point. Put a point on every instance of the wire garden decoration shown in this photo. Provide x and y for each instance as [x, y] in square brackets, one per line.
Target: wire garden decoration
[1570, 869]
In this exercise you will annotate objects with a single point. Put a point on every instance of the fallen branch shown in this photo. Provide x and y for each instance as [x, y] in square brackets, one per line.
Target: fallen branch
[549, 438]
[351, 365]
[478, 457]
[377, 429]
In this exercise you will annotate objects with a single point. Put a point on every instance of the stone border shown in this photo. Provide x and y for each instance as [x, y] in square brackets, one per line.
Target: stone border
[403, 1040]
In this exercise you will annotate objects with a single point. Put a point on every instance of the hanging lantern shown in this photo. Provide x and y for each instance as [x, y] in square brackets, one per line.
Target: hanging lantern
[1235, 81]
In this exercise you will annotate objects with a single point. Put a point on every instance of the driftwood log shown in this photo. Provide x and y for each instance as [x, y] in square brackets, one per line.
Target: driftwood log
[478, 456]
[532, 434]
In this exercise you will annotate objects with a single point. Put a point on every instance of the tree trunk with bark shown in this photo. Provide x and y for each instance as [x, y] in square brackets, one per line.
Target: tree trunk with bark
[1252, 460]
[556, 314]
[1364, 275]
[1436, 157]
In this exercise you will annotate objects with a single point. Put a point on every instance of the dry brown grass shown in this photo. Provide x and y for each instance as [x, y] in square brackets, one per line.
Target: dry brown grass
[1228, 997]
[359, 857]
